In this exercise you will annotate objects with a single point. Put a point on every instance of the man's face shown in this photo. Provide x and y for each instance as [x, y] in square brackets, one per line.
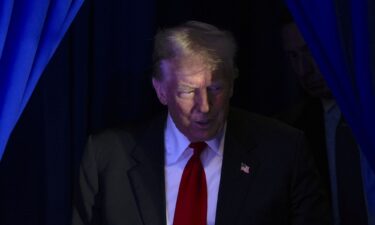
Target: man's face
[197, 97]
[303, 63]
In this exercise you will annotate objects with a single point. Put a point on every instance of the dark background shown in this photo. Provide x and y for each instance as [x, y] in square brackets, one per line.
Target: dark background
[100, 77]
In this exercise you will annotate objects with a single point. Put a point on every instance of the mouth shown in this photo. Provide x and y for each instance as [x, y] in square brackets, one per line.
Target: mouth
[203, 124]
[316, 85]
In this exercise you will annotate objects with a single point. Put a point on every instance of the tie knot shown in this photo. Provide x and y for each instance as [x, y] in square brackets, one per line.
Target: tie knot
[198, 147]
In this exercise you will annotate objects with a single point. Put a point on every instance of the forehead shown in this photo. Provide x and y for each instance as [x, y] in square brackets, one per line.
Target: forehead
[292, 38]
[192, 66]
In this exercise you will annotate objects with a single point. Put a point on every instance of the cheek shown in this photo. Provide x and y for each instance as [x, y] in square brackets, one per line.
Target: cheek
[221, 101]
[183, 106]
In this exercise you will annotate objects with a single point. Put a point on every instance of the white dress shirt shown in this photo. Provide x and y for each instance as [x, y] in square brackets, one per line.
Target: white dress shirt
[177, 154]
[332, 116]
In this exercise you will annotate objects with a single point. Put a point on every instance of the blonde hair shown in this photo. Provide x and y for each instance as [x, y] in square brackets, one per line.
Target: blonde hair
[216, 47]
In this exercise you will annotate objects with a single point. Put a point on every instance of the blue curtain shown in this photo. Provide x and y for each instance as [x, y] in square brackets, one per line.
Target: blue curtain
[30, 32]
[340, 34]
[341, 37]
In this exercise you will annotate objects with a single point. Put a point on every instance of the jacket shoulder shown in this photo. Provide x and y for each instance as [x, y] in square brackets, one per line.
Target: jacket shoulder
[259, 124]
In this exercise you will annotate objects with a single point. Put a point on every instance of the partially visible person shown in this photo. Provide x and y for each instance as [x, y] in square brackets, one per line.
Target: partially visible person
[308, 115]
[202, 162]
[334, 148]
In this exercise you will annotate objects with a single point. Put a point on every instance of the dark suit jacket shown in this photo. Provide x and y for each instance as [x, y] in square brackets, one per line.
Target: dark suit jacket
[309, 117]
[121, 178]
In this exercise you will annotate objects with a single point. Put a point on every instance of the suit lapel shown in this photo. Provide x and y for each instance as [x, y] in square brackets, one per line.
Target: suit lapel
[239, 168]
[147, 177]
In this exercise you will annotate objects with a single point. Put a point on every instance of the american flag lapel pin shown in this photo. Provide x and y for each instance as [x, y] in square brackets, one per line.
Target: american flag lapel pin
[245, 168]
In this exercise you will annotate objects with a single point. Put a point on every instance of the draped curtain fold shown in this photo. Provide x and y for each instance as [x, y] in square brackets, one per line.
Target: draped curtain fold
[30, 32]
[340, 35]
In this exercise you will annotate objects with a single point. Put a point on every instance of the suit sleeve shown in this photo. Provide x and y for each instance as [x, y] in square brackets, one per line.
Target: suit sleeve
[86, 188]
[309, 201]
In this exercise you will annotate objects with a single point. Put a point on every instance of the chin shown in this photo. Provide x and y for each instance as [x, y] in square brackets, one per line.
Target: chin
[321, 94]
[200, 137]
[207, 136]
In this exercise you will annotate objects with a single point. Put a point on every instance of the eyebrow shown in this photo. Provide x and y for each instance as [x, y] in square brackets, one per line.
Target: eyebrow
[185, 86]
[304, 48]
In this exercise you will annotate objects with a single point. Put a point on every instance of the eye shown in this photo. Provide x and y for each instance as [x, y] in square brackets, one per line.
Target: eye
[215, 88]
[185, 93]
[292, 54]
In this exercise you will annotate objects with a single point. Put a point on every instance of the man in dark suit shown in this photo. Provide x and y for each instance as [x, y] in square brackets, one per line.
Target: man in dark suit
[308, 115]
[336, 153]
[247, 170]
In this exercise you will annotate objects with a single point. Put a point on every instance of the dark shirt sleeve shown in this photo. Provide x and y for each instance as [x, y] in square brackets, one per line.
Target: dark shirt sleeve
[309, 201]
[86, 188]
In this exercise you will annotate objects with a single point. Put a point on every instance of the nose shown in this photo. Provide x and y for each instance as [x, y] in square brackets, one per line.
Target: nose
[203, 101]
[305, 65]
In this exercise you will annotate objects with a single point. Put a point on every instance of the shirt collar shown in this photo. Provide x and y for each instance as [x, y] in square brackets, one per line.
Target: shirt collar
[176, 143]
[328, 104]
[331, 110]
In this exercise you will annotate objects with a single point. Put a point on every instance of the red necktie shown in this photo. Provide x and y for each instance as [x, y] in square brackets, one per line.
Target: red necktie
[191, 205]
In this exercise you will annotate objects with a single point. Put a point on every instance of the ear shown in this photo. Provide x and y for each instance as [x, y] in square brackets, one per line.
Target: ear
[231, 83]
[159, 87]
[231, 91]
